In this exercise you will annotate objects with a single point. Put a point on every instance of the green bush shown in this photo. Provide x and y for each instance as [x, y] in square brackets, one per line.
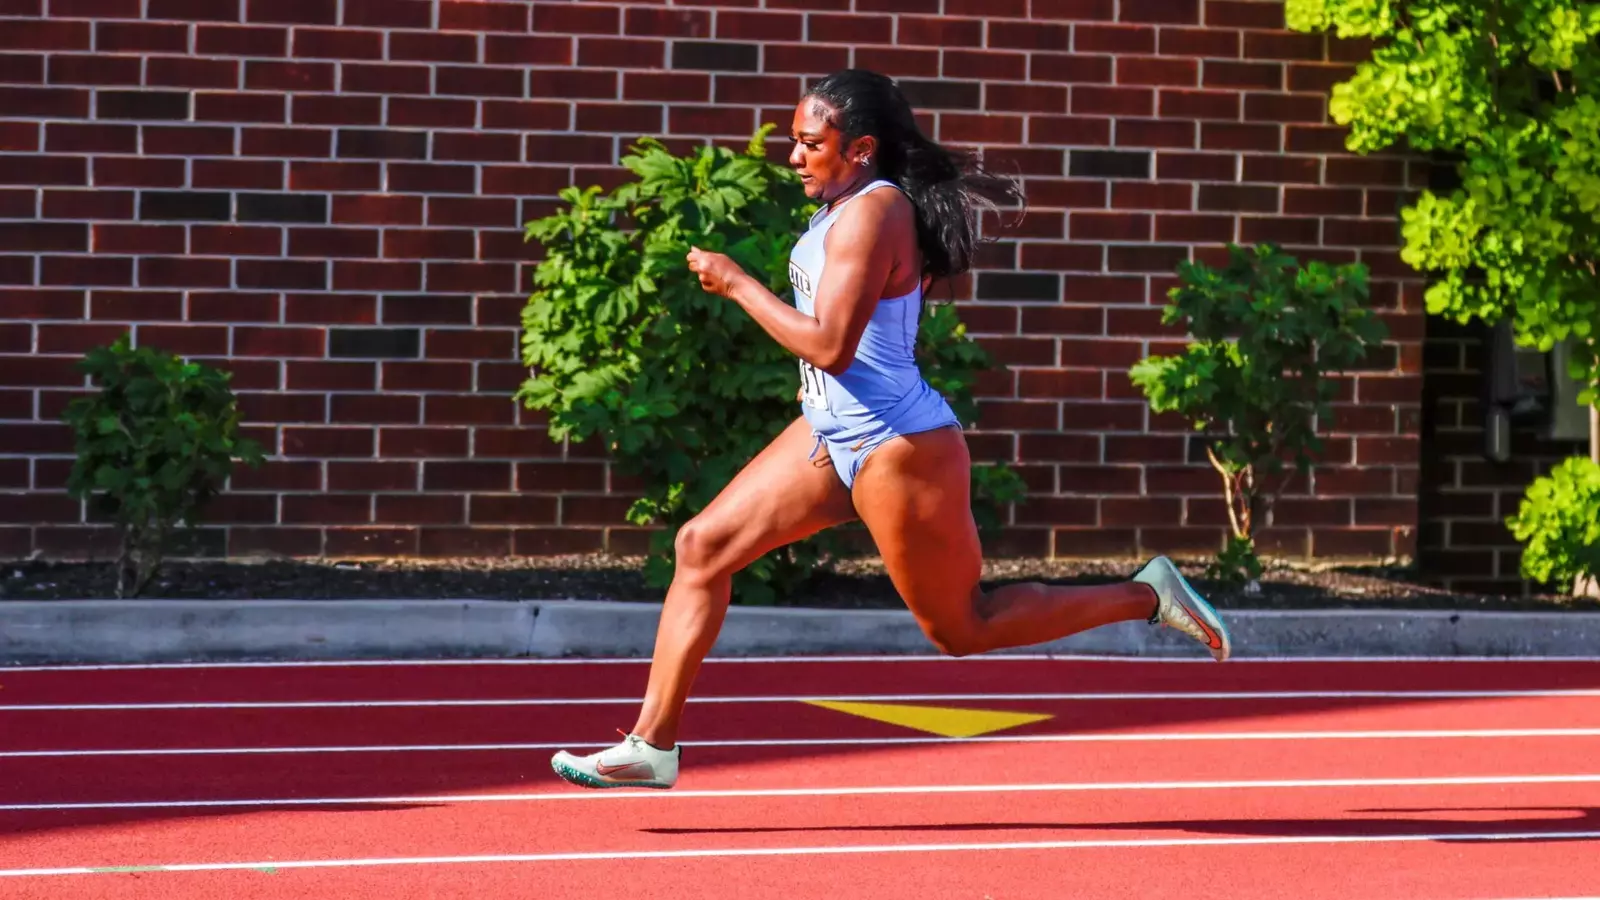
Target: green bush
[1255, 380]
[154, 445]
[681, 387]
[1559, 523]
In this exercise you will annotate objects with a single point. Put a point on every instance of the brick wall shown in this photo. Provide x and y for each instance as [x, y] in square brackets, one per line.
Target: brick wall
[327, 197]
[1463, 543]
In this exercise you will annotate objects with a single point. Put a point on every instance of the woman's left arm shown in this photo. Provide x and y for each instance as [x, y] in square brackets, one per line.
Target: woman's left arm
[851, 284]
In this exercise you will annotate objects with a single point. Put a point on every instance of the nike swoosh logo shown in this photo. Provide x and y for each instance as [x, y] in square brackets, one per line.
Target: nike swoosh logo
[608, 771]
[1213, 640]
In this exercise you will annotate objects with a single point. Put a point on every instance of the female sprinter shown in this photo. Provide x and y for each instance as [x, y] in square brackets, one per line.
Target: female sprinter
[898, 210]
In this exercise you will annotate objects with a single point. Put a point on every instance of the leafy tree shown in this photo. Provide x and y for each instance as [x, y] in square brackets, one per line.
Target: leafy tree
[1509, 92]
[683, 387]
[1255, 380]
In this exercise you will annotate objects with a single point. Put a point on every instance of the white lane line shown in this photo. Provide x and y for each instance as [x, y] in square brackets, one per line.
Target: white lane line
[588, 796]
[800, 698]
[768, 660]
[1108, 737]
[714, 853]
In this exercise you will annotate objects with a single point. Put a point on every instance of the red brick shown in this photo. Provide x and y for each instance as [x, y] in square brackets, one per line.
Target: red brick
[1199, 42]
[1113, 39]
[433, 47]
[1196, 229]
[1113, 101]
[1155, 133]
[1244, 14]
[1200, 104]
[1074, 68]
[1037, 384]
[1220, 74]
[189, 72]
[946, 32]
[1280, 230]
[667, 22]
[1284, 108]
[810, 59]
[489, 509]
[241, 41]
[1104, 10]
[1152, 195]
[1025, 98]
[232, 240]
[419, 509]
[478, 16]
[982, 64]
[1236, 136]
[130, 37]
[132, 306]
[980, 129]
[240, 108]
[770, 26]
[1157, 71]
[294, 12]
[45, 35]
[1283, 169]
[1283, 45]
[465, 542]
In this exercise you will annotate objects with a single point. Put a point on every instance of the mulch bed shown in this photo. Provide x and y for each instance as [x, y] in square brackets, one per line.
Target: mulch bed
[857, 584]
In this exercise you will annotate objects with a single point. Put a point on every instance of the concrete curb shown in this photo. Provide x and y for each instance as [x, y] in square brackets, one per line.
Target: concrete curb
[164, 631]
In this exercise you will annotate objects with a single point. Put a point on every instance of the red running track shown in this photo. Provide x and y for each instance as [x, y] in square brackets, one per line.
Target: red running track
[1355, 786]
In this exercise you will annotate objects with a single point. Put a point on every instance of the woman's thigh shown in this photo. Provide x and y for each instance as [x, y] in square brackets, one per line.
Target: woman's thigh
[779, 497]
[914, 494]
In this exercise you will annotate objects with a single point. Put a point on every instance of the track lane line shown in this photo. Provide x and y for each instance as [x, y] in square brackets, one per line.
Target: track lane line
[869, 790]
[810, 851]
[800, 698]
[1490, 733]
[770, 660]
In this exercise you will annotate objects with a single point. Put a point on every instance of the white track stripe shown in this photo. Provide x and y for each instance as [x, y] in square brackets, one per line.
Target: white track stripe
[798, 698]
[612, 856]
[1108, 737]
[588, 796]
[746, 660]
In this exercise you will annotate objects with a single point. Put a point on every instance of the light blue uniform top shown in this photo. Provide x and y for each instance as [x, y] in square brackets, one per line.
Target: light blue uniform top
[882, 394]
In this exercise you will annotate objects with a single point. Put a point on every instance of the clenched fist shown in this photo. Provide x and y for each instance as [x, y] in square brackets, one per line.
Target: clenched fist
[717, 272]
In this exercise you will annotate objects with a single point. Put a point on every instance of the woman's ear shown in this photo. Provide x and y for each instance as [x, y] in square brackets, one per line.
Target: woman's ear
[866, 148]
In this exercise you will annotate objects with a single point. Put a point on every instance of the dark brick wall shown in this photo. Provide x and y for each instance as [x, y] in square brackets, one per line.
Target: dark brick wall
[1463, 542]
[327, 199]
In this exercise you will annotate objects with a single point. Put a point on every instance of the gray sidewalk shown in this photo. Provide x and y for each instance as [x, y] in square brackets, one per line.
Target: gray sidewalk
[150, 631]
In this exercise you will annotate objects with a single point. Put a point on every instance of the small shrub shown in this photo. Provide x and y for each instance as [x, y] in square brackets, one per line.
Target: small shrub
[1255, 382]
[1559, 524]
[153, 447]
[683, 388]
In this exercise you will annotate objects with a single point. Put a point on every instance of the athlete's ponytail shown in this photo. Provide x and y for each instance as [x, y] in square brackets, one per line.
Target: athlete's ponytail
[948, 188]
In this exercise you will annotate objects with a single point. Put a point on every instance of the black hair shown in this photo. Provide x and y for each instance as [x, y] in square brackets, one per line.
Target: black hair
[947, 187]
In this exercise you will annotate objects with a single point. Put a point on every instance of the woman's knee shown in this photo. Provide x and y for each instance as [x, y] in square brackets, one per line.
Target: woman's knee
[955, 638]
[701, 546]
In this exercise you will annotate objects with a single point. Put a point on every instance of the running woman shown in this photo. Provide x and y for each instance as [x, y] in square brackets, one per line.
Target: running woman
[898, 210]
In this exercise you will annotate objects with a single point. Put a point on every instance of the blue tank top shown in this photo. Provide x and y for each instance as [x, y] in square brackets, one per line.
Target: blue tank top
[883, 380]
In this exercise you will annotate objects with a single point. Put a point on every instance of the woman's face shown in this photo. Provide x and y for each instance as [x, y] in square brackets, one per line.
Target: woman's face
[827, 164]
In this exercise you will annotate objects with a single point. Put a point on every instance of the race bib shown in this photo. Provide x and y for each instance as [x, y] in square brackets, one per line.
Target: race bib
[813, 390]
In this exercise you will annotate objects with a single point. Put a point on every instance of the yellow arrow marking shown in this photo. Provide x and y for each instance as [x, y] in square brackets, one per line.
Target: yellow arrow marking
[941, 720]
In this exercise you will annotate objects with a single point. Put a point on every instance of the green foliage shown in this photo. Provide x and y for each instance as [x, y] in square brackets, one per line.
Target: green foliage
[1559, 522]
[1255, 380]
[1511, 93]
[153, 447]
[683, 387]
